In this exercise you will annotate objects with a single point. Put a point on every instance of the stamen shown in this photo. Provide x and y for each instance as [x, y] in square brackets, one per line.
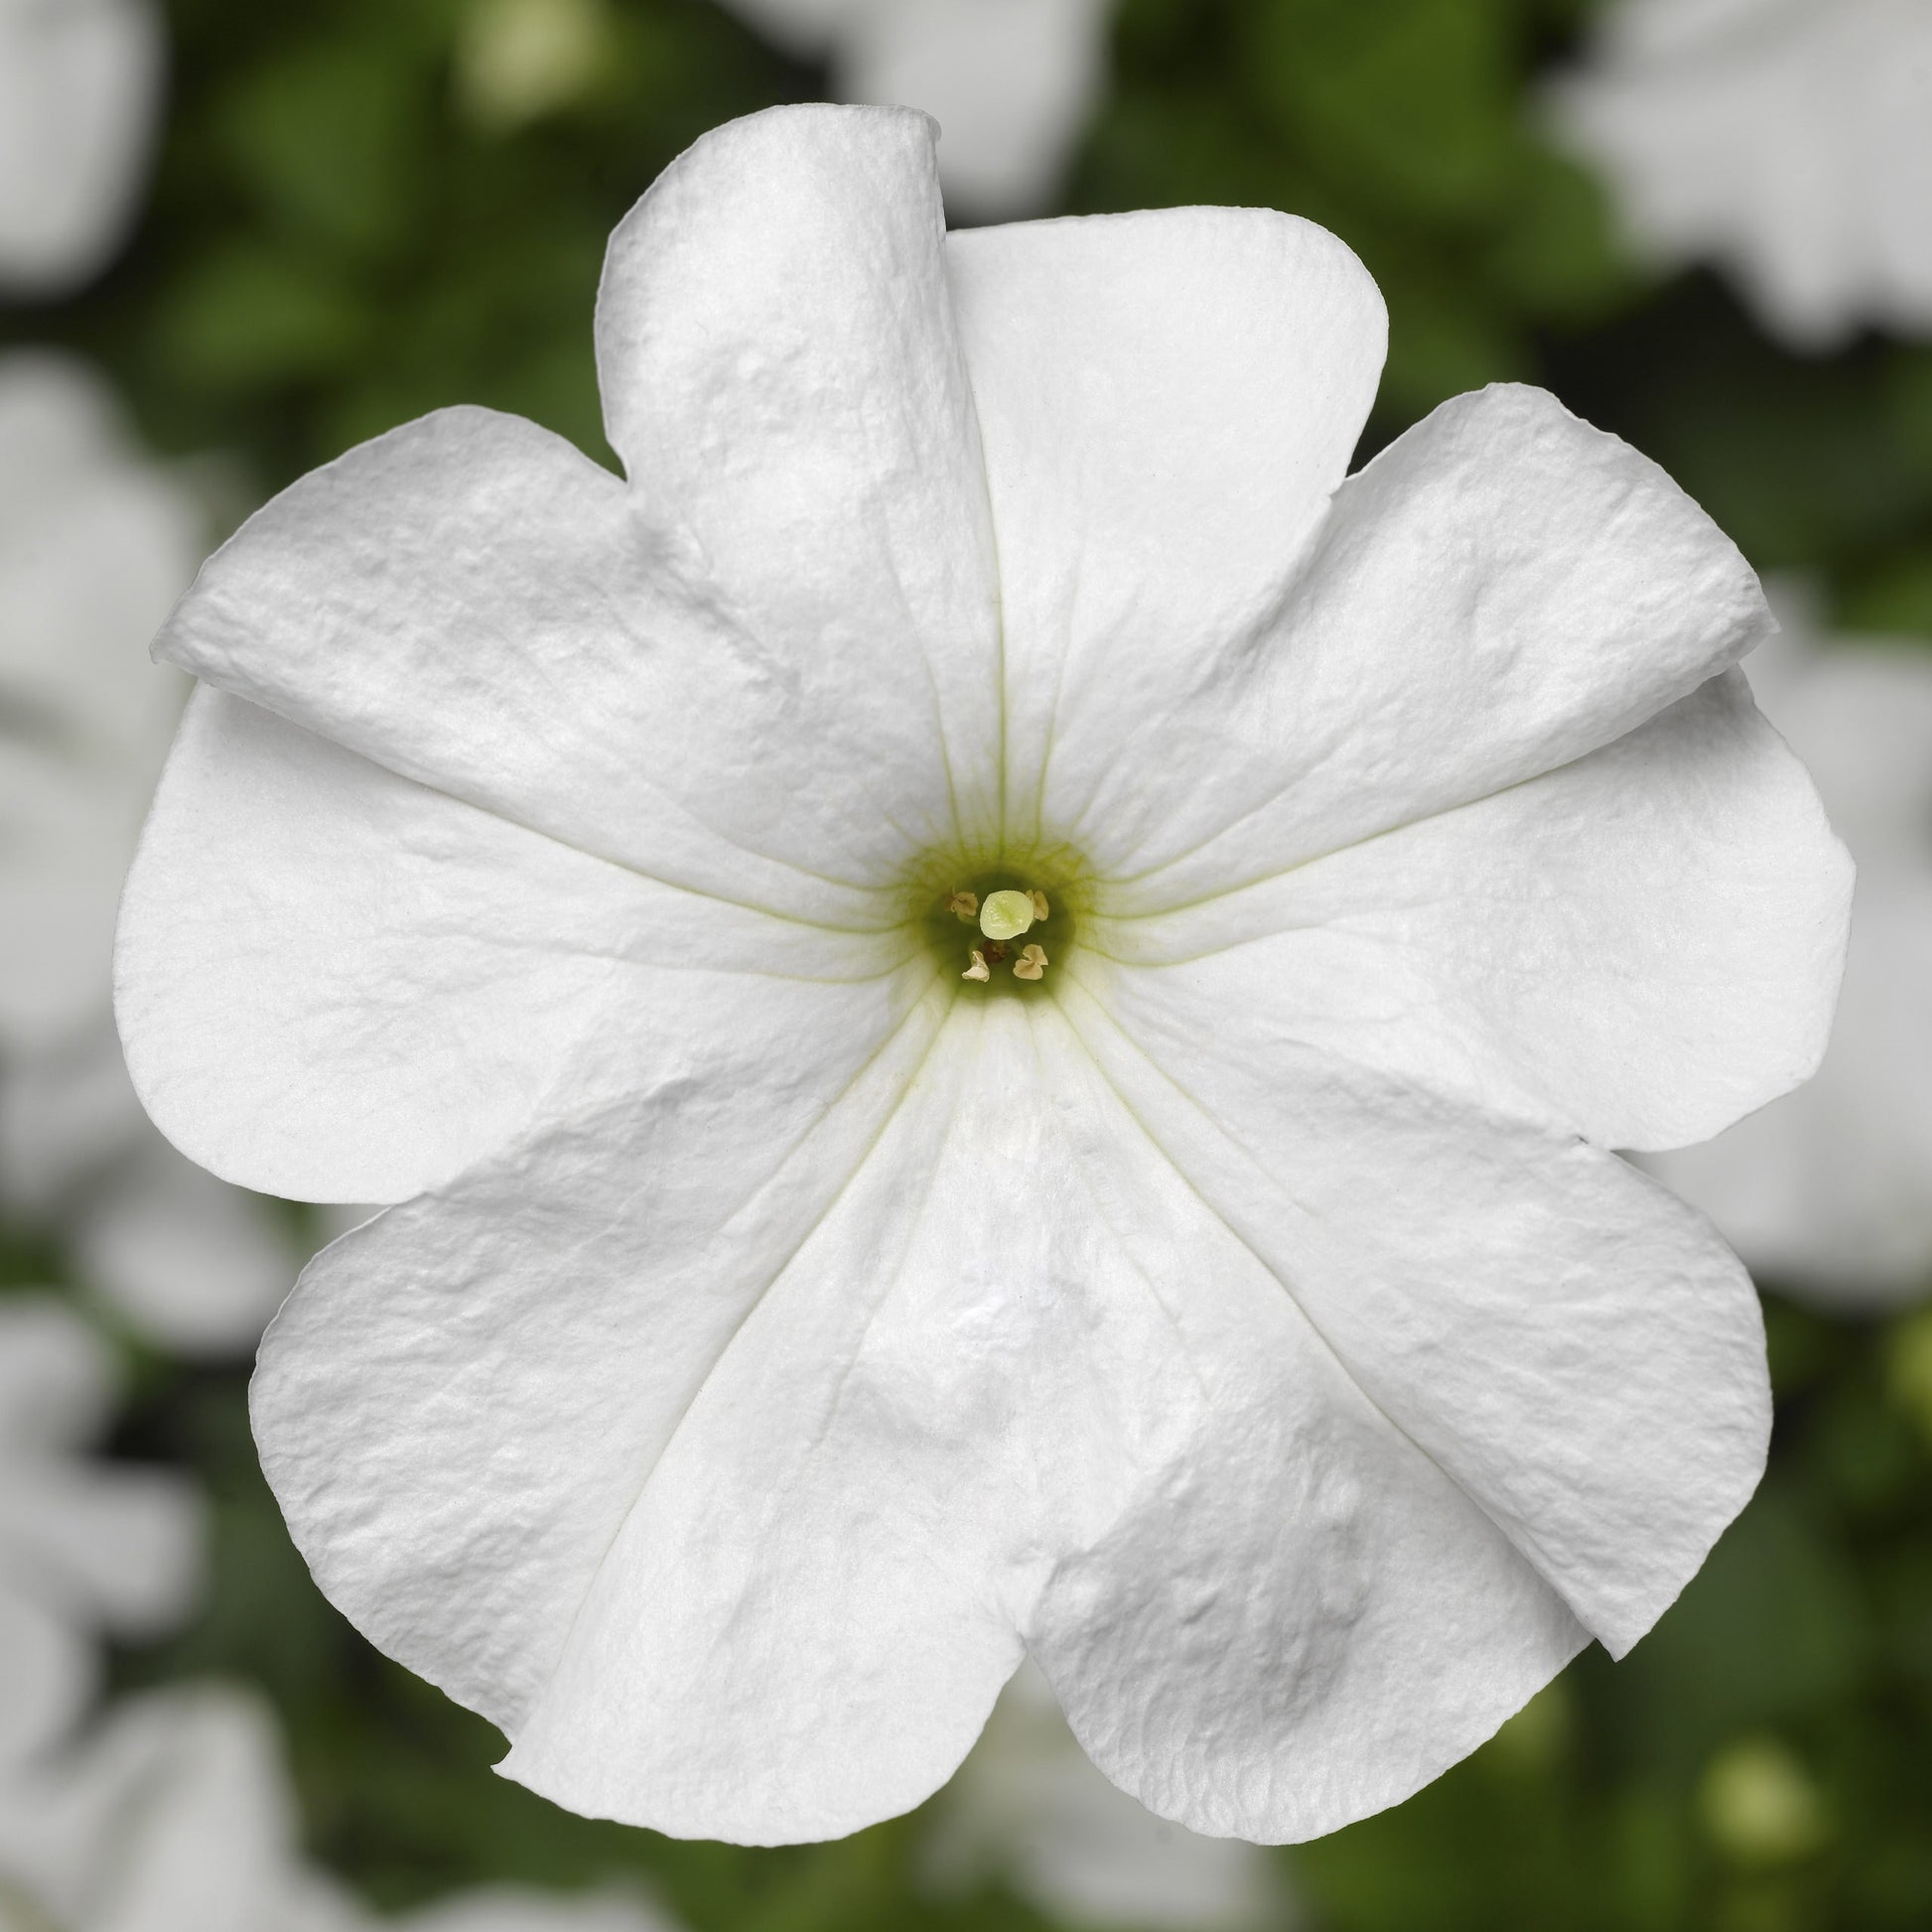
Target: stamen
[964, 905]
[1040, 904]
[1006, 915]
[978, 969]
[1031, 964]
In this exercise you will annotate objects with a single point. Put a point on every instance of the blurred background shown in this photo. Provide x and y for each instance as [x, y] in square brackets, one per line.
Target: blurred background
[235, 240]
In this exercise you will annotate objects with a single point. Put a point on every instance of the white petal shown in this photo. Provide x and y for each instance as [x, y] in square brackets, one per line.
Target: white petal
[1859, 715]
[783, 381]
[744, 1547]
[1638, 947]
[1157, 464]
[339, 985]
[1031, 1807]
[1011, 83]
[79, 84]
[1502, 590]
[471, 604]
[1570, 1344]
[1829, 1193]
[460, 1402]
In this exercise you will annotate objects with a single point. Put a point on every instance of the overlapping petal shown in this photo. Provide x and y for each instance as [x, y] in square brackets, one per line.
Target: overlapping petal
[782, 376]
[397, 979]
[1115, 407]
[1502, 590]
[1639, 946]
[1015, 1379]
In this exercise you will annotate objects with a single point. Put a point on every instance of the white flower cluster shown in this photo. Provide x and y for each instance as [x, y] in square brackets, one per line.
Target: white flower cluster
[1788, 140]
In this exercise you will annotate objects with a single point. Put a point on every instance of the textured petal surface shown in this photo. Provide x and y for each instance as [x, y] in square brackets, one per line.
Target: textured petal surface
[1568, 1343]
[831, 1429]
[656, 1224]
[472, 603]
[1158, 465]
[1502, 590]
[1639, 947]
[340, 985]
[782, 377]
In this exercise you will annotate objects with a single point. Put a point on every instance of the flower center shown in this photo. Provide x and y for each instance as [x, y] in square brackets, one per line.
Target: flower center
[1003, 928]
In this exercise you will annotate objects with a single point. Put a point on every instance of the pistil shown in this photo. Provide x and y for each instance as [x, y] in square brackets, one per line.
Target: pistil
[1003, 916]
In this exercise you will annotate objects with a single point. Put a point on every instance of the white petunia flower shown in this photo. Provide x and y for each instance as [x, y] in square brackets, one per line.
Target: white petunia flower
[177, 1816]
[1028, 1805]
[1012, 84]
[1829, 1193]
[79, 92]
[1788, 140]
[86, 1550]
[95, 544]
[783, 1333]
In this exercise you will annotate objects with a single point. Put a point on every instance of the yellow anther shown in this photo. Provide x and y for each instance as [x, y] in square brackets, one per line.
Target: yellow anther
[1031, 963]
[977, 970]
[1040, 904]
[1006, 915]
[963, 906]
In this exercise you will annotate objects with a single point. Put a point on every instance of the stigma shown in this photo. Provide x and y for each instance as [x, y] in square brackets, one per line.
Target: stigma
[1003, 918]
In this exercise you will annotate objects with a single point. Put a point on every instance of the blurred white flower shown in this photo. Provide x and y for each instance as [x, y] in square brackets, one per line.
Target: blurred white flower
[783, 1331]
[85, 1549]
[175, 1816]
[95, 545]
[1790, 141]
[515, 1908]
[1012, 84]
[81, 85]
[1828, 1192]
[1030, 1806]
